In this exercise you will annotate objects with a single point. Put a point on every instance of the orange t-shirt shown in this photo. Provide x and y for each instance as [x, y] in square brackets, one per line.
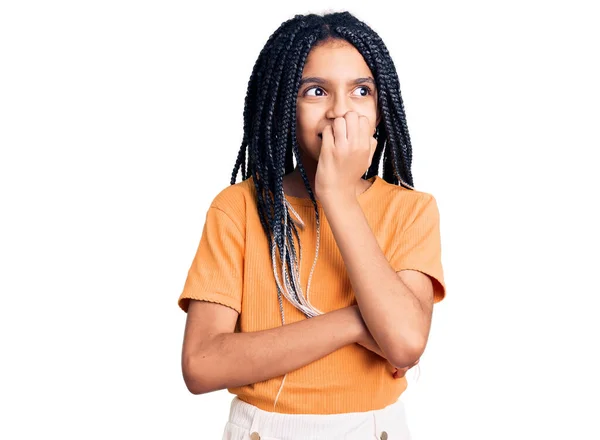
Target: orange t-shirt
[232, 266]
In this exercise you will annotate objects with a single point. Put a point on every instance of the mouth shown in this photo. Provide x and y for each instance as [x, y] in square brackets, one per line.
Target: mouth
[320, 135]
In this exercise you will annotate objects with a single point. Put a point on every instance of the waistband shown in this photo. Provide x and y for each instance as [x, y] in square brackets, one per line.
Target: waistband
[389, 422]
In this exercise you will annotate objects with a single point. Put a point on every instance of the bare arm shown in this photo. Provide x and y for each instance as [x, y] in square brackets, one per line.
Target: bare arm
[397, 317]
[367, 341]
[225, 359]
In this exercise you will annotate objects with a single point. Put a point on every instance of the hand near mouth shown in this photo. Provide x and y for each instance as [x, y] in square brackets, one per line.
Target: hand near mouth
[346, 153]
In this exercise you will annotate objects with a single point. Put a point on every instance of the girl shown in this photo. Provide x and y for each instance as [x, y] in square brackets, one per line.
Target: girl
[323, 105]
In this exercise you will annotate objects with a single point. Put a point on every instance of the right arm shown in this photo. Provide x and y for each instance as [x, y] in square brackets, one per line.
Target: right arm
[214, 357]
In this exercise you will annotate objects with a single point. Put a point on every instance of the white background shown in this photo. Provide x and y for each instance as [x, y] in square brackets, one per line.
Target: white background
[121, 120]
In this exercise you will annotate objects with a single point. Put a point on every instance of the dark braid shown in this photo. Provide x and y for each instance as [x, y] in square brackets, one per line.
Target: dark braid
[270, 121]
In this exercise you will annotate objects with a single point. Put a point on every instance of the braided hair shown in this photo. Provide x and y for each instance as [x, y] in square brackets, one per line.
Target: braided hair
[269, 139]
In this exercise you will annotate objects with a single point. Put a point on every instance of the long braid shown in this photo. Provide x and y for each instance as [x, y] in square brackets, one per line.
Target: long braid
[250, 98]
[280, 238]
[279, 168]
[396, 98]
[287, 114]
[260, 171]
[296, 149]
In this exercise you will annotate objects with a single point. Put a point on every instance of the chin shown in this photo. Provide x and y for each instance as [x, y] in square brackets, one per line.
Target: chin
[311, 152]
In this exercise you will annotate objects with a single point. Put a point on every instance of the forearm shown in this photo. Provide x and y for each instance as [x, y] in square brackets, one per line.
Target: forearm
[365, 338]
[234, 359]
[391, 312]
[372, 346]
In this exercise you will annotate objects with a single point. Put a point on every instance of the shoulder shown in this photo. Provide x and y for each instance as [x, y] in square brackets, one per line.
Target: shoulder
[396, 194]
[232, 197]
[397, 208]
[235, 200]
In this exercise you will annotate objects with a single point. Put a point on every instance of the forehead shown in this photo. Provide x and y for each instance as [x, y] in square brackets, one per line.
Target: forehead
[335, 61]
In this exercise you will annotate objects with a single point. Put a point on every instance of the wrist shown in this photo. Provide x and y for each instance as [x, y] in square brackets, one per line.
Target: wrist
[337, 199]
[356, 324]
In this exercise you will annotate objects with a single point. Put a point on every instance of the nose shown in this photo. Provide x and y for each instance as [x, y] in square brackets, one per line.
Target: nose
[340, 105]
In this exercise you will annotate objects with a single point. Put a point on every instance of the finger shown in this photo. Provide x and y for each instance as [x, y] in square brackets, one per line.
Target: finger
[373, 148]
[365, 134]
[328, 139]
[339, 132]
[353, 128]
[366, 140]
[364, 130]
[400, 373]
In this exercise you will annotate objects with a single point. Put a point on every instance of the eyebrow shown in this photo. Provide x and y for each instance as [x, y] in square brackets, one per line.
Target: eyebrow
[319, 80]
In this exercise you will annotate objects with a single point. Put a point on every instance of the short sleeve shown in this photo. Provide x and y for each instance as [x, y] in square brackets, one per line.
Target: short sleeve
[418, 247]
[216, 273]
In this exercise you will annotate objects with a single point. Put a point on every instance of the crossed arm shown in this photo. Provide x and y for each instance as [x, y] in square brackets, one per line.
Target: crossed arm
[215, 358]
[396, 306]
[392, 318]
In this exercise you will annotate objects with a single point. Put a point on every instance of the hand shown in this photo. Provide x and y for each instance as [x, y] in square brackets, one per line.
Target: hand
[400, 372]
[346, 153]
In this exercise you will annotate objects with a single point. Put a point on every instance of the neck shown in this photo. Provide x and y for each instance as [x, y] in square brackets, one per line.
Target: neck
[294, 185]
[311, 173]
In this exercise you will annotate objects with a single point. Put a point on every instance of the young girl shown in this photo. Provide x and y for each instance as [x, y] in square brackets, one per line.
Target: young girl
[316, 350]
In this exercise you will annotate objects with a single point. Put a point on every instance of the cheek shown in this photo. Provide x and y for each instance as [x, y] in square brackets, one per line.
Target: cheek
[305, 124]
[370, 111]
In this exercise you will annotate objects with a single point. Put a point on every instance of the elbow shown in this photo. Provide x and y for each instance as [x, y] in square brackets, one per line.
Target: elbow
[195, 377]
[406, 355]
[195, 388]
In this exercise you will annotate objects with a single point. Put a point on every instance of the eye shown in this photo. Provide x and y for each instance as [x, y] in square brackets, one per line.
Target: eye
[368, 89]
[310, 88]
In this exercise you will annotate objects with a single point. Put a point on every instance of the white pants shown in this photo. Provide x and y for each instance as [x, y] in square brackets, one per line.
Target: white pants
[247, 422]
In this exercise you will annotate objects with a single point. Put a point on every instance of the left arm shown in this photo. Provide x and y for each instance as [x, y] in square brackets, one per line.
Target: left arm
[396, 307]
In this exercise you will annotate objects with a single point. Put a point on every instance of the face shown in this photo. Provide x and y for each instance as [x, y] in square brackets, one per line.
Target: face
[332, 92]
